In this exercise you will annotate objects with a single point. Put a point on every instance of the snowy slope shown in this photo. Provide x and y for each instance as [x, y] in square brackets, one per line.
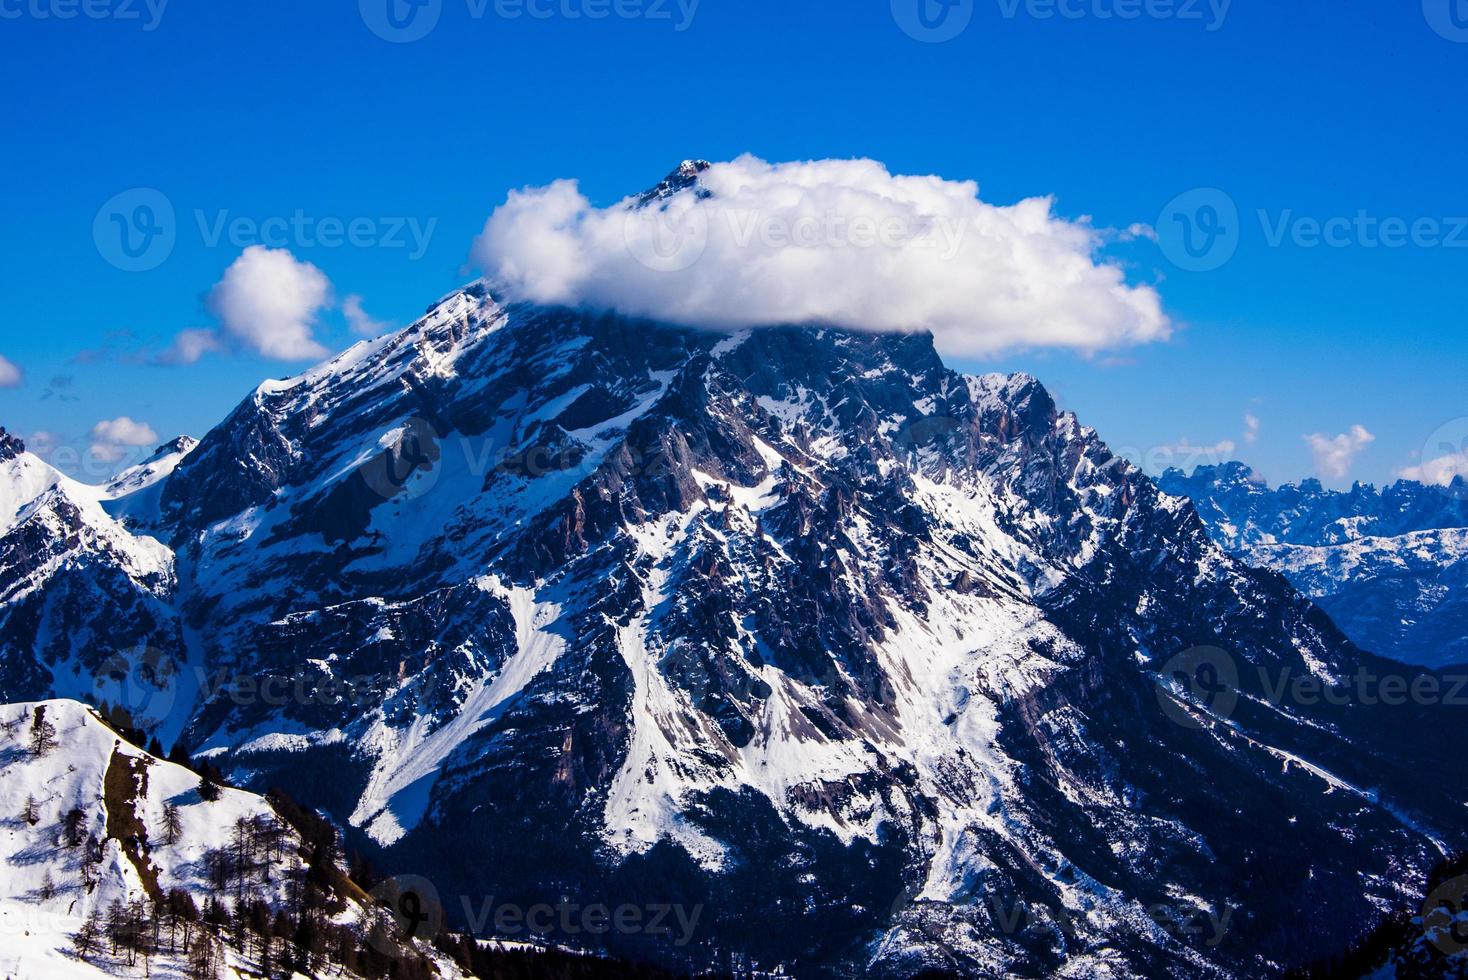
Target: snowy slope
[73, 776]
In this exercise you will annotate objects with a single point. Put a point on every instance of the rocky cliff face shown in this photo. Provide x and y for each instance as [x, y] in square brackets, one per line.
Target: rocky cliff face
[878, 666]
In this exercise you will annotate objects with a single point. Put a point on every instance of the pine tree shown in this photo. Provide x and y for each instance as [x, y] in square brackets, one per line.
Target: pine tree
[75, 826]
[48, 886]
[43, 733]
[208, 791]
[172, 823]
[29, 811]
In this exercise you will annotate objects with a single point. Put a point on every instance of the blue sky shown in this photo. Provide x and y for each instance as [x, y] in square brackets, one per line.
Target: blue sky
[269, 110]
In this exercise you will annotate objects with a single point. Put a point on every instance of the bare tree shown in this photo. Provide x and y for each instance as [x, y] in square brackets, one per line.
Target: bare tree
[88, 939]
[43, 733]
[204, 960]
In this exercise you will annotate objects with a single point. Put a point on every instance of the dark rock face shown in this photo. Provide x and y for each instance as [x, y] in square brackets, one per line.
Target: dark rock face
[1389, 565]
[10, 446]
[872, 664]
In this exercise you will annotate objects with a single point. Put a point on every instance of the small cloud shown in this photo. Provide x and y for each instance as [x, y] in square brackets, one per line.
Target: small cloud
[42, 443]
[189, 346]
[1251, 428]
[360, 322]
[1441, 471]
[11, 376]
[269, 301]
[112, 438]
[1334, 455]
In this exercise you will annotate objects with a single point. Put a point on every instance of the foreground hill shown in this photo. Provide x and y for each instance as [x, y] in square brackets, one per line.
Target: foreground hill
[117, 863]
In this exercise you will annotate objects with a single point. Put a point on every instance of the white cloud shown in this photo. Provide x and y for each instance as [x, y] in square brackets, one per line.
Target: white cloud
[111, 438]
[42, 443]
[1335, 454]
[10, 375]
[1440, 471]
[269, 301]
[830, 241]
[362, 324]
[189, 346]
[1251, 428]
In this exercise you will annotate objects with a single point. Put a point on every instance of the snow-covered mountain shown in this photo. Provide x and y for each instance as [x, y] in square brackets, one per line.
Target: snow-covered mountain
[1389, 565]
[105, 843]
[866, 666]
[81, 596]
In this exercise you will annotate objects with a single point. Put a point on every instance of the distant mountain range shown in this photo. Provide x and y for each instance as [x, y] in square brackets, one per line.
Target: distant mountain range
[1389, 565]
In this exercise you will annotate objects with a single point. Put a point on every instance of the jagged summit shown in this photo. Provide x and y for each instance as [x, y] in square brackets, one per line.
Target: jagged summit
[178, 445]
[11, 446]
[684, 176]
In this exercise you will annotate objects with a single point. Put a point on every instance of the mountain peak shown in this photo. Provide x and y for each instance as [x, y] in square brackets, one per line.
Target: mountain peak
[10, 446]
[682, 177]
[178, 445]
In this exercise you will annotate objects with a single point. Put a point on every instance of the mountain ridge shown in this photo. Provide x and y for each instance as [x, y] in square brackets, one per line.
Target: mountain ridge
[1389, 565]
